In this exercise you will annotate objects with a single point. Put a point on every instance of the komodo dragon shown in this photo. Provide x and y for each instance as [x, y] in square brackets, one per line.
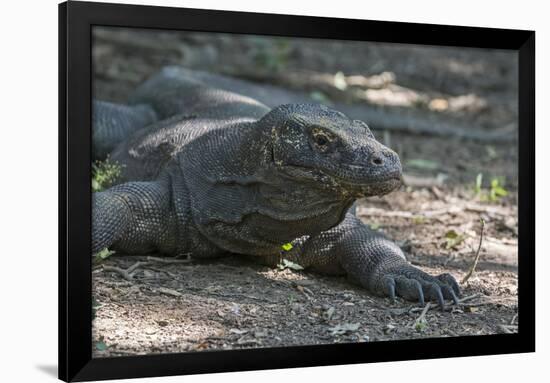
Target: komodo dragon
[221, 173]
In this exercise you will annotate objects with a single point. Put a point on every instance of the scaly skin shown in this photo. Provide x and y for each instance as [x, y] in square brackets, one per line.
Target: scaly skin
[240, 179]
[109, 132]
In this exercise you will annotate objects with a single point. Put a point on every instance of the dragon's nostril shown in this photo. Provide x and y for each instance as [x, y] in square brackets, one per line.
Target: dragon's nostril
[376, 161]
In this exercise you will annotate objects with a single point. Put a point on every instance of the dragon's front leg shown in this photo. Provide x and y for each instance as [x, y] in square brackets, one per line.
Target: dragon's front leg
[376, 263]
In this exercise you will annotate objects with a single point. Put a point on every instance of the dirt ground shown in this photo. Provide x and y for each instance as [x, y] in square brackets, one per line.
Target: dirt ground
[149, 304]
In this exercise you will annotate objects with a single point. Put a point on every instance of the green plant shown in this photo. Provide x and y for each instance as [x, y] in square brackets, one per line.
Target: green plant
[419, 220]
[101, 346]
[420, 326]
[453, 239]
[102, 255]
[286, 264]
[495, 191]
[287, 246]
[104, 174]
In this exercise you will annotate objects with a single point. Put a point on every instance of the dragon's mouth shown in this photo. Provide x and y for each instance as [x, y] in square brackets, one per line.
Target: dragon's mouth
[362, 186]
[376, 188]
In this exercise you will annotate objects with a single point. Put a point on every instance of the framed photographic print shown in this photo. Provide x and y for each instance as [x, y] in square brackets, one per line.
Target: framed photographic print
[247, 191]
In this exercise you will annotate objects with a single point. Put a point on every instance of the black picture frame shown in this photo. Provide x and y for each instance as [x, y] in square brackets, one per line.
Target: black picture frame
[75, 308]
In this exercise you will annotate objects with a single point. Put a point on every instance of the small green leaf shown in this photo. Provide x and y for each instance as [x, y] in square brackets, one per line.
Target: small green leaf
[96, 186]
[286, 264]
[104, 174]
[374, 226]
[501, 192]
[420, 326]
[101, 346]
[418, 219]
[287, 246]
[453, 239]
[451, 234]
[497, 190]
[102, 255]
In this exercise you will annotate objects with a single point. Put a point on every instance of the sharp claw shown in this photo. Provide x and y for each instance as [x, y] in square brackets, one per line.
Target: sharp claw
[390, 285]
[420, 294]
[449, 279]
[456, 288]
[437, 288]
[448, 293]
[439, 295]
[455, 298]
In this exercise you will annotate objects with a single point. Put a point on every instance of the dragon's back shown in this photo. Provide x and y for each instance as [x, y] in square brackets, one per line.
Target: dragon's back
[178, 91]
[187, 106]
[145, 154]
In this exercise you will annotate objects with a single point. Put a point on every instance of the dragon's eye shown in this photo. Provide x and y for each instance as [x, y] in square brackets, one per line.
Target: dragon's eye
[321, 140]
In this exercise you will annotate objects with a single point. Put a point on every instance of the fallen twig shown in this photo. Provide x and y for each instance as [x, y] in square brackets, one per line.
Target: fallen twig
[119, 271]
[168, 260]
[438, 193]
[477, 304]
[446, 306]
[168, 291]
[304, 290]
[476, 259]
[469, 297]
[495, 210]
[132, 268]
[422, 318]
[507, 329]
[128, 273]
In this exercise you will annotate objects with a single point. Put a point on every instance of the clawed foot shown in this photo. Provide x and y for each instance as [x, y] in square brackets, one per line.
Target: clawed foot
[413, 284]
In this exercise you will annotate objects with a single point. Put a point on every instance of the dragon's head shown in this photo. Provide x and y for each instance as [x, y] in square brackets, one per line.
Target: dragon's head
[314, 143]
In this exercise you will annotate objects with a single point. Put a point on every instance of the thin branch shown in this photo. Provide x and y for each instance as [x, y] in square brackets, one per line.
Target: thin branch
[507, 329]
[422, 317]
[447, 305]
[476, 259]
[168, 260]
[123, 273]
[132, 268]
